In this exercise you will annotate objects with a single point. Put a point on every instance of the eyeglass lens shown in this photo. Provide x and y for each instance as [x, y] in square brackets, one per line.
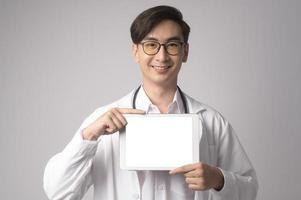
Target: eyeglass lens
[152, 47]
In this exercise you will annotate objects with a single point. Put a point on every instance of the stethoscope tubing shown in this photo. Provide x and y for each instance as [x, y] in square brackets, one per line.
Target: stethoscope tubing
[180, 91]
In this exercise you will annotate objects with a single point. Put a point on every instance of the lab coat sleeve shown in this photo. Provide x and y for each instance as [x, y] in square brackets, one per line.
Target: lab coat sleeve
[239, 174]
[68, 174]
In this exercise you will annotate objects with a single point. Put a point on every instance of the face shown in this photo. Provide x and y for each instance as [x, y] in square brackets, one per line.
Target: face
[161, 68]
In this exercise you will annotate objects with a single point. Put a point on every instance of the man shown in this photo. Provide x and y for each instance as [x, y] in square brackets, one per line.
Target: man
[160, 46]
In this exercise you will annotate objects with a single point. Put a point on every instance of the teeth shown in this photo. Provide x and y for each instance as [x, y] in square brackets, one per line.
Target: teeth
[160, 67]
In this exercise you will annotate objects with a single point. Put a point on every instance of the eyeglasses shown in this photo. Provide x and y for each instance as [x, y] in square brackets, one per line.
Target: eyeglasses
[153, 47]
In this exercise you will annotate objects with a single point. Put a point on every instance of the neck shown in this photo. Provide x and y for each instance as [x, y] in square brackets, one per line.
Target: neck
[160, 95]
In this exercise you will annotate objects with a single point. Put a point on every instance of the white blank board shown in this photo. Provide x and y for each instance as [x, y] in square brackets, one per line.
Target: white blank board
[159, 141]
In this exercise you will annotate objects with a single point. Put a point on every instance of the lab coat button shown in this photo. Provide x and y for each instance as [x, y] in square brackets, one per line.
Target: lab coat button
[161, 187]
[136, 196]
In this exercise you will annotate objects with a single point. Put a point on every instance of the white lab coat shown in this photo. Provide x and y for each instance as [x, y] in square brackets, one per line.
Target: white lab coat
[82, 163]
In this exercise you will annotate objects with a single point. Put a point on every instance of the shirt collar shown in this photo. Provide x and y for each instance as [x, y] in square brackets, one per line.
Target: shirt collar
[144, 103]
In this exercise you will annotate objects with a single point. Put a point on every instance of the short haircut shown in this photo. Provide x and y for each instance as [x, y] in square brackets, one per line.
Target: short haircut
[148, 19]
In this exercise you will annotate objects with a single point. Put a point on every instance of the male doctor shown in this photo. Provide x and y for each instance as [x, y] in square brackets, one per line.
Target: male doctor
[160, 46]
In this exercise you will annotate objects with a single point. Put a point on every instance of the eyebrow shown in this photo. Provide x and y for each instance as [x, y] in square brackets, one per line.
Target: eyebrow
[169, 39]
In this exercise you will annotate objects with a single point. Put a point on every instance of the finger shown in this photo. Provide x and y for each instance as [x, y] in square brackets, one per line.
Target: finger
[198, 185]
[194, 187]
[111, 127]
[184, 169]
[130, 111]
[195, 173]
[117, 123]
[193, 180]
[119, 116]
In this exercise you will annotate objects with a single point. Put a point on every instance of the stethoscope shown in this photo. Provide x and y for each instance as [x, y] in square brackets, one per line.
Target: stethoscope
[181, 94]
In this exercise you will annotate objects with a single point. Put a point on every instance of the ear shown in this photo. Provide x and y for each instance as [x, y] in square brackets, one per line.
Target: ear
[186, 51]
[135, 52]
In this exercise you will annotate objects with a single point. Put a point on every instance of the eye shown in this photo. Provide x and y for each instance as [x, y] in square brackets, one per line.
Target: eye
[151, 45]
[173, 44]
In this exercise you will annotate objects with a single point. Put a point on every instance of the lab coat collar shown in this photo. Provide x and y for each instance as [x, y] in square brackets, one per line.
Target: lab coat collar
[144, 103]
[193, 105]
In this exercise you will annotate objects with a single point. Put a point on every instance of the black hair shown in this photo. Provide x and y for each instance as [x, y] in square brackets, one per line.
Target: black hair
[151, 17]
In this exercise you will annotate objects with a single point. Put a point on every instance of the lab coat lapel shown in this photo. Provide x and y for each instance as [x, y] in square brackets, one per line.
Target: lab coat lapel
[126, 102]
[197, 108]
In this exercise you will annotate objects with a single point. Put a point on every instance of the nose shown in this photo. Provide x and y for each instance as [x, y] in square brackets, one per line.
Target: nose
[162, 55]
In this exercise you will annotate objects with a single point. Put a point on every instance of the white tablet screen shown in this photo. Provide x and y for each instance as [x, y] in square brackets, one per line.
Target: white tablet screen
[157, 141]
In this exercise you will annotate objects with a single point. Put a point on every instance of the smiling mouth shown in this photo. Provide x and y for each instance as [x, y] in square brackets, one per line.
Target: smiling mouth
[161, 68]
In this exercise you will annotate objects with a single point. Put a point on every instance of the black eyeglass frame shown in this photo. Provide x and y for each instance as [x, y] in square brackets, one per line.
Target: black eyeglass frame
[162, 44]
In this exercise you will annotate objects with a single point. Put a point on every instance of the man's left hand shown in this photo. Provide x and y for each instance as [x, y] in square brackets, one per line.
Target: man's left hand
[200, 176]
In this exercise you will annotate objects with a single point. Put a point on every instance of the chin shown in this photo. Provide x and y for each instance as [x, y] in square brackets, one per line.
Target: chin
[161, 81]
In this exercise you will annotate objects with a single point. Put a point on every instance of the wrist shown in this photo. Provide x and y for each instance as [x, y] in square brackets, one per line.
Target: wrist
[88, 135]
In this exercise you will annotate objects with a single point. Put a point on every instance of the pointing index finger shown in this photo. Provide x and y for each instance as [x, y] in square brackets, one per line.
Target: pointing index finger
[130, 111]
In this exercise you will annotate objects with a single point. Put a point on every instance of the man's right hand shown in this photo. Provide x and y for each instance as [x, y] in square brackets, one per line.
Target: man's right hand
[108, 123]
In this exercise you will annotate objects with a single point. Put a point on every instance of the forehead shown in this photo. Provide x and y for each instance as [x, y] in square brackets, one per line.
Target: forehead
[165, 30]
